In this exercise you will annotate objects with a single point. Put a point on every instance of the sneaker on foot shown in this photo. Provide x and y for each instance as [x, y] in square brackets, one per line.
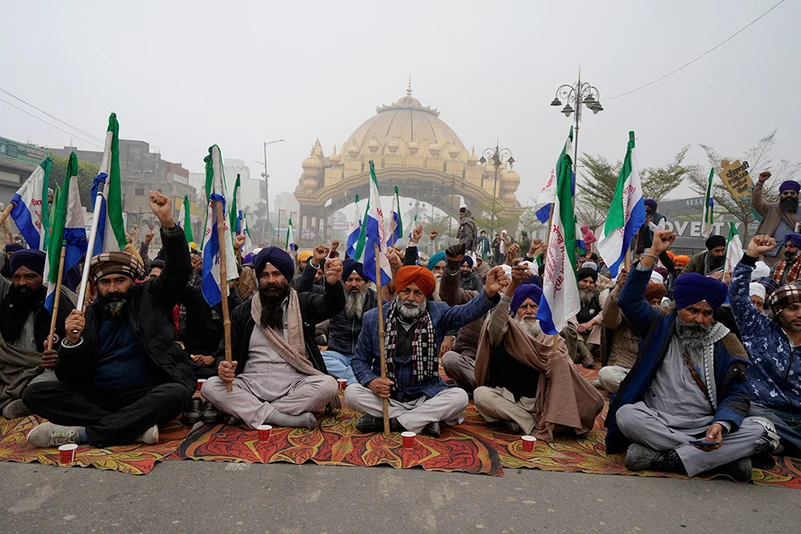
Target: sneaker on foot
[51, 435]
[150, 436]
[15, 409]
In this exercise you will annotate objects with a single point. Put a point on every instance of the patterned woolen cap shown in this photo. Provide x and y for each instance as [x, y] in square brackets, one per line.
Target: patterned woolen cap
[115, 262]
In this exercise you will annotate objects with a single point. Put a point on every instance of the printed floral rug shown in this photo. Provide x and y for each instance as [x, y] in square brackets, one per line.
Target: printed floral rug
[133, 459]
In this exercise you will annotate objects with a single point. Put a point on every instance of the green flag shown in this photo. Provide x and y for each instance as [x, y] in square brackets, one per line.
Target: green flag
[185, 220]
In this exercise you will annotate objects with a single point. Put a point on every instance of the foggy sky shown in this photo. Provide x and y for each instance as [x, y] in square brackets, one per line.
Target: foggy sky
[185, 75]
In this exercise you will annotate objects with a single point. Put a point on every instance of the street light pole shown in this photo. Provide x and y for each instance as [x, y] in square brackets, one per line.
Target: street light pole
[266, 177]
[498, 156]
[578, 94]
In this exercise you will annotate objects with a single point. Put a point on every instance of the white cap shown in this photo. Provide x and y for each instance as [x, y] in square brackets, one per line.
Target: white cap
[760, 271]
[757, 289]
[657, 278]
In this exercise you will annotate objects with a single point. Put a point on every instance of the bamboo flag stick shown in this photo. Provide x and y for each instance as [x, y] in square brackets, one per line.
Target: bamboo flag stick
[6, 212]
[224, 286]
[382, 348]
[56, 297]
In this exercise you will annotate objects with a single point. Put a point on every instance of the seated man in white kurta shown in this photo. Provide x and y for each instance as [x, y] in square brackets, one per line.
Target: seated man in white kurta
[278, 375]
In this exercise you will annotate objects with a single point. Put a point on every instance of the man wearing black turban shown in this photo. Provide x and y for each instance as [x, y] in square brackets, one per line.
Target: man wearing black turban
[709, 262]
[588, 317]
[25, 325]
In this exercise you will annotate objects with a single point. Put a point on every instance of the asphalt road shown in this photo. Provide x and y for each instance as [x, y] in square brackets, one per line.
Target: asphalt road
[199, 497]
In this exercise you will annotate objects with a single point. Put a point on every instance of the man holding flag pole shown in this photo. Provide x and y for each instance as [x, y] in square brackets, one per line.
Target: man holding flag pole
[398, 368]
[32, 316]
[120, 375]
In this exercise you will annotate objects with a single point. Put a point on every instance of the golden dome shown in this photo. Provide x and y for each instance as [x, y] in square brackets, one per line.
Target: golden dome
[405, 122]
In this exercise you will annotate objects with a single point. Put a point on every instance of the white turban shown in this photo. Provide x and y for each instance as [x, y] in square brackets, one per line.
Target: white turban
[657, 278]
[757, 289]
[760, 271]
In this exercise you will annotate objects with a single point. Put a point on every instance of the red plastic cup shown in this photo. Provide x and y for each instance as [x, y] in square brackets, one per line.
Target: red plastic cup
[528, 443]
[66, 453]
[264, 432]
[408, 439]
[200, 382]
[342, 383]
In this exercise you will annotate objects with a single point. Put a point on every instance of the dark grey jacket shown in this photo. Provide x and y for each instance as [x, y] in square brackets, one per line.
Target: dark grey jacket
[343, 331]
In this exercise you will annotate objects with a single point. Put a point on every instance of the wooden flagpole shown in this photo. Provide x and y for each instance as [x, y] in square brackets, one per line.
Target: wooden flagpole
[56, 297]
[382, 348]
[6, 212]
[224, 285]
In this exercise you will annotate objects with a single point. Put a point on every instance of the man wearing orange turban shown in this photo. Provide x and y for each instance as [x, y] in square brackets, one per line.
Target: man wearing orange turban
[413, 274]
[414, 330]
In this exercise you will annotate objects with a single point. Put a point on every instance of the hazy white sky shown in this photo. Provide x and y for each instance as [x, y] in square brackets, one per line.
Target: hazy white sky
[185, 75]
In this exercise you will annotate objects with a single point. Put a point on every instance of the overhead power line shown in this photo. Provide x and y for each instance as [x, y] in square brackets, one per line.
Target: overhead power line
[699, 57]
[51, 124]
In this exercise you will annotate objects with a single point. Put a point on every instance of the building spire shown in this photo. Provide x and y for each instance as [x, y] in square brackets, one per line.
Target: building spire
[409, 89]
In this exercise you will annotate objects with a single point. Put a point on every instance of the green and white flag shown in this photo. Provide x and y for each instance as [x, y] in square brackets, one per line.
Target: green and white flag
[216, 192]
[734, 249]
[560, 296]
[110, 234]
[290, 239]
[709, 205]
[185, 220]
[68, 232]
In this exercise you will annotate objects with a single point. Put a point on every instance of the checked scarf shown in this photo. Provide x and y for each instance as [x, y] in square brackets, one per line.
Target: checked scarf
[792, 276]
[425, 361]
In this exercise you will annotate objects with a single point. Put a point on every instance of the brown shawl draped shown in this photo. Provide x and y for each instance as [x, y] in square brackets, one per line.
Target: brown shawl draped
[564, 399]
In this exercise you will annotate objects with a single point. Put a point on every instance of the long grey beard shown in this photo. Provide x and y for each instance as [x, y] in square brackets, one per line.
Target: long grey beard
[692, 340]
[435, 296]
[586, 295]
[410, 314]
[533, 329]
[354, 304]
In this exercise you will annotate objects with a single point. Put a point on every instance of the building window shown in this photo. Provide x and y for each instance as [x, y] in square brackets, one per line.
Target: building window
[139, 191]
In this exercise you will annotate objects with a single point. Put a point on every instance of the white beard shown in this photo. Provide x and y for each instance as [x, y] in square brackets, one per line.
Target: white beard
[410, 314]
[354, 304]
[533, 329]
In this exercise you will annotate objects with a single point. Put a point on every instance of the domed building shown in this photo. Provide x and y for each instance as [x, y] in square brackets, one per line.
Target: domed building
[414, 150]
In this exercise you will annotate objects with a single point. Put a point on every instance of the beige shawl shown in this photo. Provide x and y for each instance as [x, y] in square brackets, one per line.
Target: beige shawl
[293, 348]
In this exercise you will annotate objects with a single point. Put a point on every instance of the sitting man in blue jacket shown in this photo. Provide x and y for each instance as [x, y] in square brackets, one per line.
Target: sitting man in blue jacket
[774, 347]
[684, 403]
[415, 328]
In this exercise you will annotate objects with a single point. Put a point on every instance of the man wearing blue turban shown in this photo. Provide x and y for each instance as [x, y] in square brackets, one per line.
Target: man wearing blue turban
[278, 376]
[789, 269]
[684, 406]
[778, 218]
[344, 328]
[525, 378]
[25, 325]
